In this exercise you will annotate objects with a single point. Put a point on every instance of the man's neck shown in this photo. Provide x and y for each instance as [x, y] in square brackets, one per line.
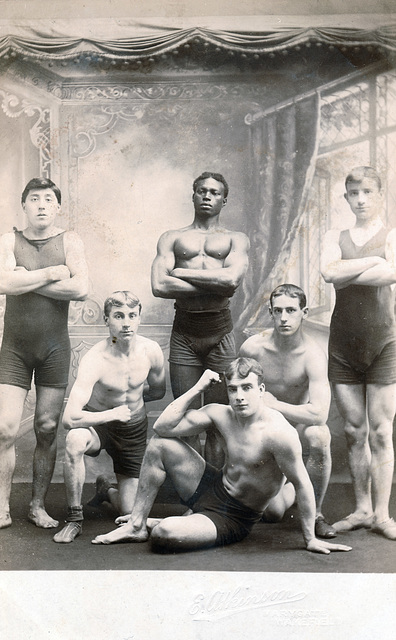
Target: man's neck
[284, 342]
[121, 347]
[40, 234]
[206, 223]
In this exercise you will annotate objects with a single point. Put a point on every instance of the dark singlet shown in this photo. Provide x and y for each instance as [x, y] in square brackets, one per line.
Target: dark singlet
[365, 313]
[32, 321]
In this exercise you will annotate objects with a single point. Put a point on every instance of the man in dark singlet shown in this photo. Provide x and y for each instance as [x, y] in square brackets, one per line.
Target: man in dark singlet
[201, 266]
[361, 263]
[106, 410]
[42, 268]
[263, 449]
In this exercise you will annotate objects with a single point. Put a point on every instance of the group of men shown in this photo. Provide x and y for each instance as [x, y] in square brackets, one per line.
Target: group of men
[256, 410]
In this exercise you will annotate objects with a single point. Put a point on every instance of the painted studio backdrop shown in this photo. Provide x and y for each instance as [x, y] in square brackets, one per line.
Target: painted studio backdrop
[124, 125]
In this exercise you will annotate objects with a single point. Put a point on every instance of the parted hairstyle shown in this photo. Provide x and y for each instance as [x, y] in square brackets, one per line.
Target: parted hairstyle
[241, 367]
[358, 173]
[289, 290]
[118, 299]
[41, 183]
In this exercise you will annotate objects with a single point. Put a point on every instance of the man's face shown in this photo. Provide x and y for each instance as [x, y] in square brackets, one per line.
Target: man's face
[209, 197]
[41, 208]
[245, 395]
[364, 198]
[286, 314]
[123, 322]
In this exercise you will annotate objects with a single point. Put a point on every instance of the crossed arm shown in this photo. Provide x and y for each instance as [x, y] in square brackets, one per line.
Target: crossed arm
[368, 271]
[170, 282]
[62, 282]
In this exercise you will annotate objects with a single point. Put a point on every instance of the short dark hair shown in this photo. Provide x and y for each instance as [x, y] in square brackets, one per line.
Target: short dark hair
[358, 173]
[289, 290]
[118, 299]
[215, 176]
[241, 367]
[41, 183]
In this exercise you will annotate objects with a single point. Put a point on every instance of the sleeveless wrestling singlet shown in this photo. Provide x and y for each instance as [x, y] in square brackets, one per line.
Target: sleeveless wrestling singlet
[363, 319]
[35, 323]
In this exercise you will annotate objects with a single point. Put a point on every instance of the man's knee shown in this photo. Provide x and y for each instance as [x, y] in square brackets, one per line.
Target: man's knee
[46, 427]
[319, 438]
[77, 442]
[380, 435]
[164, 537]
[8, 432]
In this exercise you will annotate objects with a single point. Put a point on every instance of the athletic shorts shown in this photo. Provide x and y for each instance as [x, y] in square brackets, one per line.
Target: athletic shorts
[232, 519]
[380, 370]
[125, 442]
[16, 368]
[212, 352]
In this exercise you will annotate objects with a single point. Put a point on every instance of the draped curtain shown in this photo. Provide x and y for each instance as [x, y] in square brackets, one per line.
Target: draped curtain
[59, 44]
[283, 148]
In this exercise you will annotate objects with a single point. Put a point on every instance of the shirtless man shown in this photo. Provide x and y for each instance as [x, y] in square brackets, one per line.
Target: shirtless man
[361, 263]
[263, 449]
[201, 266]
[295, 378]
[106, 410]
[42, 268]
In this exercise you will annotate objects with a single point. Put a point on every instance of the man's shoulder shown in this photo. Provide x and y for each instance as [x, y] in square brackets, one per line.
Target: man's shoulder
[257, 342]
[312, 348]
[278, 429]
[8, 239]
[148, 344]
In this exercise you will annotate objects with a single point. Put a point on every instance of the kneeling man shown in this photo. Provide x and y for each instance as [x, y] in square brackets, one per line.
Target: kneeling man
[106, 410]
[262, 451]
[296, 384]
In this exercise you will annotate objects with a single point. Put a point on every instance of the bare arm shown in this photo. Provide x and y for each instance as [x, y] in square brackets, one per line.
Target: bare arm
[288, 454]
[17, 280]
[316, 410]
[75, 415]
[163, 283]
[339, 271]
[155, 385]
[223, 280]
[383, 273]
[177, 421]
[75, 287]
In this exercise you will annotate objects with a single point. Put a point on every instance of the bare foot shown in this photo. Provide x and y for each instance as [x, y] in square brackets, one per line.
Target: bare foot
[123, 533]
[40, 518]
[5, 521]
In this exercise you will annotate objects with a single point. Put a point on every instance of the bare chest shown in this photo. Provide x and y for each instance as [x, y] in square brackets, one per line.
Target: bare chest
[204, 247]
[285, 376]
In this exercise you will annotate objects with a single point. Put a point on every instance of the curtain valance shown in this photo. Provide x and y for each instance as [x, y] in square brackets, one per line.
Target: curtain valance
[43, 46]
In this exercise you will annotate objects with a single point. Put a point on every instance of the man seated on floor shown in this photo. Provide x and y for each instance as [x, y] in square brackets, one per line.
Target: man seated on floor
[263, 473]
[106, 410]
[296, 384]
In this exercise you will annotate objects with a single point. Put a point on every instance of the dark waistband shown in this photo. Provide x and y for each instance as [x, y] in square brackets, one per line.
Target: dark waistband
[201, 324]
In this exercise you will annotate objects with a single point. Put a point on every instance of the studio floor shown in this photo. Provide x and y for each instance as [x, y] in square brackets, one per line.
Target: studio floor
[269, 548]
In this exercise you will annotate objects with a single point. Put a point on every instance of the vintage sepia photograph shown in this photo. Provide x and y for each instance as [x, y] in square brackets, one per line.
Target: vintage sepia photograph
[197, 319]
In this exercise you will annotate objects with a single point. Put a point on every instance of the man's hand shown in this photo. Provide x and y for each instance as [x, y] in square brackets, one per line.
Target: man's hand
[121, 413]
[321, 546]
[208, 379]
[58, 272]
